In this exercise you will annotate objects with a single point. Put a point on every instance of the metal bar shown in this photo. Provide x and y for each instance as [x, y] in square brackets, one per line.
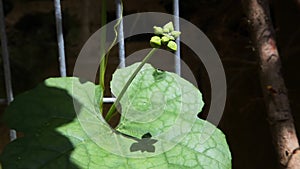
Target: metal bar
[109, 100]
[6, 65]
[177, 28]
[119, 13]
[60, 38]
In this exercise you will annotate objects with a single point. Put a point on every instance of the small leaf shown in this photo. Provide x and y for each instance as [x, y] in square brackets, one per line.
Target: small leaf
[166, 30]
[158, 30]
[171, 37]
[155, 41]
[175, 34]
[172, 45]
[169, 26]
[165, 39]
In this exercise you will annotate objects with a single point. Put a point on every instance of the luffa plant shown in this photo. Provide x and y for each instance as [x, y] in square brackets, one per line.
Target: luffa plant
[159, 129]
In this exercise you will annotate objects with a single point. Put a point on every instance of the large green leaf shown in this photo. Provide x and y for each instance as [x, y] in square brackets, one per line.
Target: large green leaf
[64, 129]
[156, 102]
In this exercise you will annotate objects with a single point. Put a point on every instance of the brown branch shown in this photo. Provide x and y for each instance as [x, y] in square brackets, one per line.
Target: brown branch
[273, 86]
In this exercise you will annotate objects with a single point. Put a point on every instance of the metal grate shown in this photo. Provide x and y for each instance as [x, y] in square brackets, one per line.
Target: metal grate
[61, 50]
[60, 39]
[6, 66]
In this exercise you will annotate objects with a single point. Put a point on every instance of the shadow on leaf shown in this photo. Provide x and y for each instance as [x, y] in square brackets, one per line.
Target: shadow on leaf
[144, 144]
[38, 113]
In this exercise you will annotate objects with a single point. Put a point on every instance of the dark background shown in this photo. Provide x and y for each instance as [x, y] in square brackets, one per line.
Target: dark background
[33, 51]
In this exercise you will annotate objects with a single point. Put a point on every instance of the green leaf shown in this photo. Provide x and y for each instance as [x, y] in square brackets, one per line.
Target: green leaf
[166, 30]
[172, 45]
[158, 30]
[175, 34]
[171, 37]
[162, 103]
[165, 39]
[64, 129]
[155, 41]
[39, 114]
[169, 26]
[150, 102]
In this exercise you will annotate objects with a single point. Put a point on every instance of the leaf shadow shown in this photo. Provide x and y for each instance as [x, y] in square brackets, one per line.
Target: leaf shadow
[38, 113]
[146, 143]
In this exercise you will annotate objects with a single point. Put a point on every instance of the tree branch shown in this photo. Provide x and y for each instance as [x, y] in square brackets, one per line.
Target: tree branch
[273, 86]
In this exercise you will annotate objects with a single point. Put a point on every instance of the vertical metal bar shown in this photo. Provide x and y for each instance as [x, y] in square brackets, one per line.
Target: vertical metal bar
[60, 38]
[119, 13]
[6, 65]
[177, 28]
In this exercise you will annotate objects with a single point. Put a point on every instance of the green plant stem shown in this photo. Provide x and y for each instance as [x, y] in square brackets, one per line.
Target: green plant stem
[104, 55]
[112, 110]
[103, 58]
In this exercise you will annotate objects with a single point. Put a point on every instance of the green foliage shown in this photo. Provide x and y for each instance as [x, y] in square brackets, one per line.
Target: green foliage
[172, 45]
[152, 101]
[166, 36]
[63, 126]
[155, 41]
